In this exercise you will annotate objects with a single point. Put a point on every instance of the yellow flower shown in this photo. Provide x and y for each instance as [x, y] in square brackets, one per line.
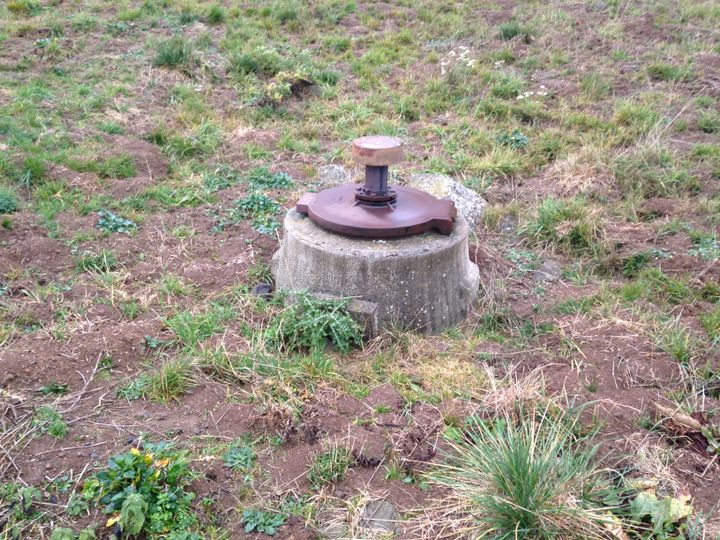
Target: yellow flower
[113, 520]
[162, 463]
[135, 451]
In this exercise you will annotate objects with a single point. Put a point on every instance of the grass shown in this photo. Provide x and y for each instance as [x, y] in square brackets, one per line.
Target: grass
[526, 477]
[329, 467]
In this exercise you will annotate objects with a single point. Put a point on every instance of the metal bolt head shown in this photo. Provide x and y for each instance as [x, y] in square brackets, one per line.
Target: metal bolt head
[377, 151]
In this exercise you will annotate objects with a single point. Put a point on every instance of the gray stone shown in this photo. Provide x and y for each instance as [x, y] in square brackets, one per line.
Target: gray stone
[333, 175]
[469, 204]
[549, 271]
[380, 516]
[424, 282]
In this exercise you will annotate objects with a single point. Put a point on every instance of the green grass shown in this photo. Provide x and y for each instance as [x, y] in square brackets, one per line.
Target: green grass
[568, 225]
[524, 478]
[118, 166]
[103, 261]
[329, 467]
[710, 322]
[8, 201]
[193, 328]
[176, 52]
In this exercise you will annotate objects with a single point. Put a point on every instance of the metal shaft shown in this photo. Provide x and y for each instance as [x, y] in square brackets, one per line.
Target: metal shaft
[376, 180]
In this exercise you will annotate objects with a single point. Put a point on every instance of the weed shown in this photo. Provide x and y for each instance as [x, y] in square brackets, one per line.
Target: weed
[309, 323]
[262, 521]
[112, 223]
[673, 338]
[222, 177]
[119, 166]
[54, 388]
[513, 140]
[144, 491]
[48, 420]
[329, 467]
[261, 178]
[8, 201]
[524, 478]
[240, 458]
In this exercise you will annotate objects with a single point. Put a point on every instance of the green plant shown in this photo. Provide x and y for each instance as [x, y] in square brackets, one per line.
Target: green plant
[216, 15]
[710, 322]
[666, 516]
[172, 380]
[310, 322]
[513, 29]
[48, 420]
[525, 476]
[666, 72]
[112, 223]
[329, 467]
[118, 166]
[263, 521]
[144, 491]
[239, 458]
[513, 140]
[709, 122]
[192, 328]
[174, 53]
[8, 201]
[567, 224]
[261, 178]
[104, 261]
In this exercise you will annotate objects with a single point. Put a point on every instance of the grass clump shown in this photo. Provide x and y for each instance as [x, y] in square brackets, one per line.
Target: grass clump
[665, 72]
[144, 492]
[310, 323]
[119, 166]
[527, 477]
[512, 29]
[104, 261]
[193, 328]
[711, 324]
[709, 122]
[216, 15]
[176, 52]
[8, 201]
[329, 467]
[566, 224]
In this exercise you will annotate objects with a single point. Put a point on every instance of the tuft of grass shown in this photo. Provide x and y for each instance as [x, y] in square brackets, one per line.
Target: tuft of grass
[329, 467]
[176, 52]
[524, 478]
[673, 338]
[192, 328]
[513, 29]
[216, 15]
[566, 224]
[666, 72]
[171, 381]
[119, 166]
[710, 322]
[709, 122]
[104, 261]
[8, 201]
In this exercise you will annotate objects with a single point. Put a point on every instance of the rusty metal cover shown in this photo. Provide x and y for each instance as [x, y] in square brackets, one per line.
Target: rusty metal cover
[414, 212]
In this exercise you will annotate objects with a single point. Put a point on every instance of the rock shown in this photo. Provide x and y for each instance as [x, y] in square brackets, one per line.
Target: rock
[468, 203]
[332, 525]
[333, 175]
[549, 271]
[380, 516]
[263, 290]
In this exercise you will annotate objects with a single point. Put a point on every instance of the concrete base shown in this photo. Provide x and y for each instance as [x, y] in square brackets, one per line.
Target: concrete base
[425, 283]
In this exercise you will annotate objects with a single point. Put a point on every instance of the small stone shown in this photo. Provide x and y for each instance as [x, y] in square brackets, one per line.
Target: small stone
[380, 516]
[333, 524]
[263, 290]
[333, 175]
[469, 204]
[549, 271]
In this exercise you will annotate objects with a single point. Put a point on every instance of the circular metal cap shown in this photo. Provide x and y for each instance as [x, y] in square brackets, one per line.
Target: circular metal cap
[415, 212]
[377, 151]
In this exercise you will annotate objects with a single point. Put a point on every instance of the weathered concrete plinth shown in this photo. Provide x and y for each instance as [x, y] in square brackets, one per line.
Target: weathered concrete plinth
[425, 283]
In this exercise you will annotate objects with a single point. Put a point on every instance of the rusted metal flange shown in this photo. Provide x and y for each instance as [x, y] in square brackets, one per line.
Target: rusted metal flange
[374, 209]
